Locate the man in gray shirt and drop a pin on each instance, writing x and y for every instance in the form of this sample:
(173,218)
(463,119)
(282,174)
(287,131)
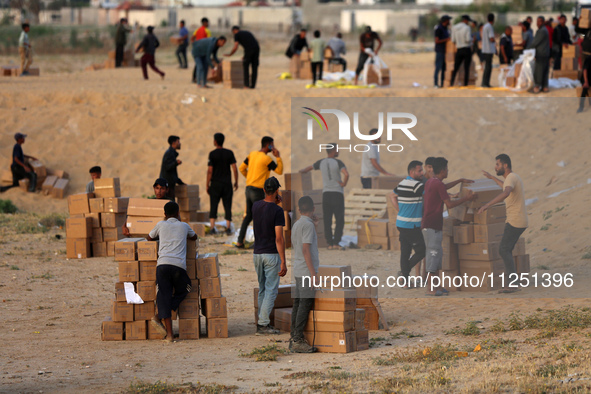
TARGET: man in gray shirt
(171,270)
(338,49)
(489,48)
(95,173)
(541,44)
(370,162)
(305,264)
(333,197)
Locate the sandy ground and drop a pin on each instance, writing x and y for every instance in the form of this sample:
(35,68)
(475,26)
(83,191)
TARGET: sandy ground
(53,306)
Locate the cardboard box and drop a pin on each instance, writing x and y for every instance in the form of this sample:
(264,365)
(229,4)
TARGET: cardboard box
(189,309)
(479,251)
(144,311)
(485,190)
(107,187)
(448,225)
(283,319)
(336,300)
(61,174)
(208,266)
(186,191)
(377,227)
(569,63)
(142,224)
(146,207)
(202,216)
(154,334)
(464,234)
(199,228)
(77,248)
(214,307)
(298,181)
(362,338)
(79,203)
(59,188)
(120,292)
(372,318)
(188,216)
(192,247)
(495,214)
(38,168)
(450,47)
(146,289)
(147,250)
(96,221)
(341,271)
(450,259)
(384,242)
(122,312)
(47,185)
(570,74)
(109,219)
(217,328)
(110,249)
(486,233)
(136,330)
(359,319)
(522,264)
(126,249)
(79,227)
(111,331)
(365,289)
(288,202)
(210,287)
(284,296)
(191,268)
(333,342)
(188,204)
(331,321)
(385,182)
(147,270)
(383,79)
(461,213)
(99,249)
(189,328)
(97,205)
(129,271)
(116,204)
(113,235)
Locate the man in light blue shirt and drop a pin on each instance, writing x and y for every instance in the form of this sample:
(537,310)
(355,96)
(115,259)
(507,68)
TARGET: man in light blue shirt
(338,50)
(181,50)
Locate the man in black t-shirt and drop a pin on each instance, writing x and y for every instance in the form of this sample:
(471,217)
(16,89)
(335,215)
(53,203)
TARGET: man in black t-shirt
(441,39)
(269,252)
(219,182)
(506,47)
(19,168)
(252,52)
(366,41)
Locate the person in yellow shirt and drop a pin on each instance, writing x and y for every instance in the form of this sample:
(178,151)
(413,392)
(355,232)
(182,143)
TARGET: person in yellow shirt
(256,168)
(199,34)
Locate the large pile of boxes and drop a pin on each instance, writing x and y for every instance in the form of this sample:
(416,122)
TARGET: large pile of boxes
(233,74)
(300,66)
(380,231)
(51,182)
(450,55)
(143,214)
(213,303)
(569,64)
(471,240)
(187,196)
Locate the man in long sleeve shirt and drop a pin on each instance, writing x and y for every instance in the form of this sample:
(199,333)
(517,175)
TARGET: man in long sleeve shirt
(204,51)
(149,45)
(256,168)
(462,37)
(561,37)
(541,44)
(120,41)
(168,170)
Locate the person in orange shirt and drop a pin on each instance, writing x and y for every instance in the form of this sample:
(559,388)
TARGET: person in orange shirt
(200,33)
(256,168)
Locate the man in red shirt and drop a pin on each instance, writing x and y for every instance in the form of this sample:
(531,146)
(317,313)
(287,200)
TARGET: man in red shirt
(199,34)
(434,198)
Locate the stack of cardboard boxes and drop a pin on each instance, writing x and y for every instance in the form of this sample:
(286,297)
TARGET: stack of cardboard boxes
(233,74)
(55,184)
(79,227)
(367,299)
(50,182)
(569,64)
(300,66)
(213,303)
(109,215)
(284,300)
(188,312)
(187,196)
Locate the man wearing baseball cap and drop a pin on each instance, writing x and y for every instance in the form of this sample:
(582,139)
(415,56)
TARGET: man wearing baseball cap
(462,36)
(19,168)
(269,252)
(161,193)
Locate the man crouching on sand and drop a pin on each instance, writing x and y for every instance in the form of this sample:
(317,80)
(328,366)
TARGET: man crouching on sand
(171,269)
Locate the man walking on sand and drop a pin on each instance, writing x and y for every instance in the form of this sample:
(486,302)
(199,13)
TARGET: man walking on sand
(269,252)
(333,197)
(370,162)
(171,270)
(219,182)
(516,223)
(305,263)
(149,45)
(252,52)
(168,169)
(434,198)
(181,50)
(256,168)
(95,173)
(25,50)
(441,39)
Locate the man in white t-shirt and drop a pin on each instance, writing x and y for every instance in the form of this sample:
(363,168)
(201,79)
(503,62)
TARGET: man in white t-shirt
(171,270)
(370,162)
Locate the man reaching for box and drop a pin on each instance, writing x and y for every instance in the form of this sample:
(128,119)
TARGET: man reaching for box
(171,269)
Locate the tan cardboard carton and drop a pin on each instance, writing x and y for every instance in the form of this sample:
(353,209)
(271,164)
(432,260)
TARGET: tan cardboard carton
(192,268)
(284,296)
(362,340)
(215,307)
(384,242)
(110,219)
(287,200)
(188,204)
(199,228)
(99,249)
(47,185)
(136,330)
(148,270)
(143,311)
(188,216)
(194,293)
(189,328)
(359,319)
(372,318)
(464,234)
(79,203)
(112,235)
(495,214)
(116,204)
(79,227)
(488,232)
(217,328)
(126,249)
(210,287)
(331,321)
(120,292)
(153,333)
(110,248)
(333,342)
(189,309)
(336,300)
(96,220)
(77,248)
(142,224)
(122,312)
(364,288)
(377,227)
(208,266)
(448,226)
(192,247)
(146,290)
(97,205)
(59,188)
(283,319)
(146,207)
(129,271)
(111,331)
(328,271)
(147,250)
(107,187)
(298,181)
(479,251)
(186,191)
(485,190)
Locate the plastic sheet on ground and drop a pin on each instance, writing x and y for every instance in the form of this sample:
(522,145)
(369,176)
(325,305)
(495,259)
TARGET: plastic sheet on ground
(525,79)
(339,76)
(375,63)
(563,83)
(346,240)
(248,238)
(338,85)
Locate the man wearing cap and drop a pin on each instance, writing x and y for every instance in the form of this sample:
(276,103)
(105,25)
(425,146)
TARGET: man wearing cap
(19,168)
(462,37)
(441,39)
(161,193)
(171,270)
(168,169)
(269,252)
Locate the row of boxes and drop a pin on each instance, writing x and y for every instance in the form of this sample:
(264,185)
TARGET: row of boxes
(233,74)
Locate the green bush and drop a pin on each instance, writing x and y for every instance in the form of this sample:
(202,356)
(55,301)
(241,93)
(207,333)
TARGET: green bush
(6,206)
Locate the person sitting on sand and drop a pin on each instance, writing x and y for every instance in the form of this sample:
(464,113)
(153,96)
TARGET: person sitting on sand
(204,51)
(171,270)
(19,168)
(161,193)
(95,173)
(149,45)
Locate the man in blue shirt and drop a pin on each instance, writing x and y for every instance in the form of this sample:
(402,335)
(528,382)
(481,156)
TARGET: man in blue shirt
(181,50)
(441,39)
(408,198)
(19,168)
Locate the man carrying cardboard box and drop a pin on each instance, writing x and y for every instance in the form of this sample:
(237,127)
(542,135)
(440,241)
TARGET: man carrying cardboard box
(516,214)
(171,270)
(161,193)
(95,173)
(219,182)
(434,198)
(269,252)
(367,41)
(370,162)
(168,169)
(305,264)
(19,168)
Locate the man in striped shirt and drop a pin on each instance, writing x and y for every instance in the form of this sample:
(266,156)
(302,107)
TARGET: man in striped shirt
(408,198)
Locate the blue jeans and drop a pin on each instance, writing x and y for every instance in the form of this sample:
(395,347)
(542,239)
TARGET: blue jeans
(201,65)
(439,67)
(267,267)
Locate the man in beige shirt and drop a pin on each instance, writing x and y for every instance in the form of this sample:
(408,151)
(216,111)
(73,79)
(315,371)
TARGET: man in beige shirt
(516,223)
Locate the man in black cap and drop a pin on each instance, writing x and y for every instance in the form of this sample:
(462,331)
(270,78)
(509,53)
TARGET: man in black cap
(161,193)
(462,37)
(269,252)
(441,39)
(19,168)
(168,170)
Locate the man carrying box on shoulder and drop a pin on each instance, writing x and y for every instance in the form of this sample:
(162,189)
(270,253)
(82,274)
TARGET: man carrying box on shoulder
(171,270)
(517,222)
(305,264)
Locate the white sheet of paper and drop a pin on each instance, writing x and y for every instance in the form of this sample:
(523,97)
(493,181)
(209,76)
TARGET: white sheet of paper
(130,294)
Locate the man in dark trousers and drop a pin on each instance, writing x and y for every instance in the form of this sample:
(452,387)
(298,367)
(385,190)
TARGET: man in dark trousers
(149,45)
(441,39)
(585,78)
(181,50)
(171,270)
(168,169)
(541,44)
(120,41)
(19,168)
(367,42)
(333,197)
(269,252)
(252,52)
(462,37)
(219,182)
(560,38)
(506,47)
